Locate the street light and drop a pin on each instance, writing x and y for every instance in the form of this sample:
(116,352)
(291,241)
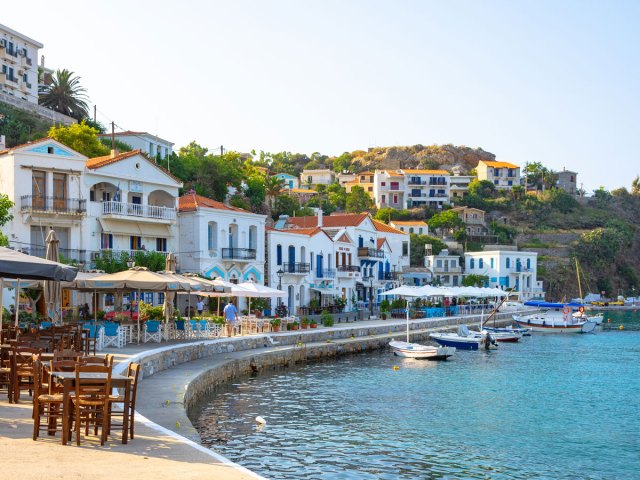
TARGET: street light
(280,274)
(371,296)
(131,262)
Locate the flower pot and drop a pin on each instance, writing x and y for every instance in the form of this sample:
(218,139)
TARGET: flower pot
(304,326)
(313,325)
(275,328)
(294,327)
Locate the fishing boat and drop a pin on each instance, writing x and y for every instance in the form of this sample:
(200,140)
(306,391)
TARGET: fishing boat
(466,340)
(557,318)
(416,350)
(525,332)
(503,334)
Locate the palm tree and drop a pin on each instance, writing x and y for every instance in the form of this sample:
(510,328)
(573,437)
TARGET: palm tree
(273,186)
(65,95)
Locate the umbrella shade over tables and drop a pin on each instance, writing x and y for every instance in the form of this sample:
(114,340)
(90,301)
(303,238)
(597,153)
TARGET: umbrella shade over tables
(255,290)
(52,290)
(170,265)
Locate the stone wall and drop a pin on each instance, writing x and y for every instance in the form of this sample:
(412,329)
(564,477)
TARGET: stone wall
(34,108)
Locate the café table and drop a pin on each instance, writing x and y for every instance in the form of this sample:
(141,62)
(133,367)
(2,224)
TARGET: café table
(68,380)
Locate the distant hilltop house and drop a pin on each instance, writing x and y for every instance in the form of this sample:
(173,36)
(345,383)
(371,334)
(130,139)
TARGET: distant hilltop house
(19,59)
(459,186)
(346,177)
(410,188)
(364,180)
(322,176)
(474,218)
(568,181)
(290,182)
(502,174)
(419,227)
(150,144)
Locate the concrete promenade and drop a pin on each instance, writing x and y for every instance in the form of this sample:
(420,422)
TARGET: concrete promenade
(176,374)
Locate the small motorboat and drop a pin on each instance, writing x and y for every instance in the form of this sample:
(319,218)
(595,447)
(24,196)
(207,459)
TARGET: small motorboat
(416,350)
(465,340)
(525,332)
(502,335)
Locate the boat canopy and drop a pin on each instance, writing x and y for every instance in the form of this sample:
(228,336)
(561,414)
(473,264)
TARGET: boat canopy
(539,304)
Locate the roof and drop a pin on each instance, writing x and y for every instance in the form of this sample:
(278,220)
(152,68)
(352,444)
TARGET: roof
(410,223)
(365,173)
(426,172)
(302,190)
(380,242)
(22,36)
(33,142)
(190,202)
(129,133)
(311,231)
(465,209)
(98,162)
(383,227)
(498,164)
(343,220)
(288,175)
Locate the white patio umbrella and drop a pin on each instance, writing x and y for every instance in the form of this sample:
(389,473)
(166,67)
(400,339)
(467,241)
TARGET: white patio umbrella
(221,288)
(255,290)
(409,292)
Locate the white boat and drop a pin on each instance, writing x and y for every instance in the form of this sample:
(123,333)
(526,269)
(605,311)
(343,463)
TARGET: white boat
(525,332)
(503,334)
(466,340)
(551,322)
(416,350)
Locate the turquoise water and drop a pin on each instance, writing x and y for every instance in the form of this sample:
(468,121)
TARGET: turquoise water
(552,407)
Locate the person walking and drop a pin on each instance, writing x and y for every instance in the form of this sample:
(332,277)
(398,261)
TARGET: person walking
(231,317)
(200,306)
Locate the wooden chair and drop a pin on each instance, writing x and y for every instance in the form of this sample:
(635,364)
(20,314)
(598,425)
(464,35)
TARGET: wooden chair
(91,401)
(22,370)
(66,354)
(106,361)
(5,373)
(128,410)
(45,404)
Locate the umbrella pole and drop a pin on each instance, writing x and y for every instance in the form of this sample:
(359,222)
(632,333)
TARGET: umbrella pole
(138,315)
(217,314)
(17,302)
(95,308)
(407,320)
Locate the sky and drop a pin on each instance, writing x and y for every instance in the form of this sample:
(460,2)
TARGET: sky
(554,82)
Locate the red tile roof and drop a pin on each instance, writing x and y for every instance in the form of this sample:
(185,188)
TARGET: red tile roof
(383,227)
(98,162)
(330,221)
(190,202)
(380,242)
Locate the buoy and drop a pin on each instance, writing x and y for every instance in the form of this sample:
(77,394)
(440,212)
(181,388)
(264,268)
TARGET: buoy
(177,424)
(621,327)
(261,420)
(396,367)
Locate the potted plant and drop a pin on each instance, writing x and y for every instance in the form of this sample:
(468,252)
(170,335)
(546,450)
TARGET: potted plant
(314,305)
(326,318)
(294,325)
(313,324)
(340,303)
(304,323)
(275,324)
(385,306)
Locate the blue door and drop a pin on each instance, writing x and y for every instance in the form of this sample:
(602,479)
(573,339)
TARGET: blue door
(319,266)
(292,258)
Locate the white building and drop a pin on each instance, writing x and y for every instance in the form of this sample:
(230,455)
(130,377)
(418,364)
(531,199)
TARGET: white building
(459,186)
(502,174)
(19,60)
(290,181)
(220,241)
(322,176)
(507,269)
(408,188)
(150,144)
(418,227)
(445,269)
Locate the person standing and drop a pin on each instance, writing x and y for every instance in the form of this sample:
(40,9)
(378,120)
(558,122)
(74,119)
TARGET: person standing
(200,306)
(231,317)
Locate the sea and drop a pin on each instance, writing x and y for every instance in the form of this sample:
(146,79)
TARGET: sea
(548,407)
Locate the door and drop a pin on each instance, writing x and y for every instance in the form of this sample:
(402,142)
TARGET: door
(38,189)
(59,192)
(292,258)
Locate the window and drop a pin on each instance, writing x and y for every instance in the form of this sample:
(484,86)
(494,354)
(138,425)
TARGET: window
(395,199)
(92,195)
(405,249)
(480,263)
(106,241)
(410,229)
(491,262)
(384,198)
(39,185)
(212,235)
(161,244)
(253,237)
(438,263)
(106,196)
(528,263)
(279,255)
(420,230)
(508,263)
(383,184)
(395,186)
(472,264)
(135,243)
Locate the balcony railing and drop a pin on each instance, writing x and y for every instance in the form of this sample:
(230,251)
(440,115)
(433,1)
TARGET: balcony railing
(348,268)
(326,273)
(37,203)
(239,253)
(390,276)
(296,267)
(370,252)
(136,210)
(440,270)
(68,255)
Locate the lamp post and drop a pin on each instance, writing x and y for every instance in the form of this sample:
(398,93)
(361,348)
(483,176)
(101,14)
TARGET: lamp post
(633,294)
(371,297)
(280,274)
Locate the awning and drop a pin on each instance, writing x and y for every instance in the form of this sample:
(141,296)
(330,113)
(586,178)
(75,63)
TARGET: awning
(327,291)
(134,228)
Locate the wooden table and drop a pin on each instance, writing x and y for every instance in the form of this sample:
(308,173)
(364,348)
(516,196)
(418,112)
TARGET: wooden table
(68,380)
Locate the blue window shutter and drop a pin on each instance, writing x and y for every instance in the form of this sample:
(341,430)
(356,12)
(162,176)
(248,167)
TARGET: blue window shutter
(360,242)
(380,271)
(279,255)
(319,265)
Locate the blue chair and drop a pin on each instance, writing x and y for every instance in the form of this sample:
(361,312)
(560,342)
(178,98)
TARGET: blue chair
(45,325)
(113,335)
(181,330)
(152,331)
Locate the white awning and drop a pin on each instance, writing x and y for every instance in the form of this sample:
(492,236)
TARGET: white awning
(327,291)
(154,230)
(119,227)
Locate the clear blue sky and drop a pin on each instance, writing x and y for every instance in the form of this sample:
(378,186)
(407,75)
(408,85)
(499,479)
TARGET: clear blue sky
(549,81)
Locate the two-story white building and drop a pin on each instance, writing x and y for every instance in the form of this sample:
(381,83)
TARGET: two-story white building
(459,186)
(152,145)
(503,175)
(220,241)
(411,188)
(19,65)
(321,176)
(418,227)
(446,269)
(507,269)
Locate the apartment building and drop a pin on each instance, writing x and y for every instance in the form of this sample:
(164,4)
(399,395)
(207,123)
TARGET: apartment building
(418,227)
(152,145)
(410,188)
(323,176)
(459,186)
(19,65)
(502,174)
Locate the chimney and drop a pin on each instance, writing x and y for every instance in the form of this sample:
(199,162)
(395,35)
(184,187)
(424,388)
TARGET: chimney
(319,215)
(2,142)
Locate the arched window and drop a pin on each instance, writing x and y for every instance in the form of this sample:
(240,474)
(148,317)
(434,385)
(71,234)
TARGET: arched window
(472,263)
(278,254)
(508,262)
(480,263)
(212,235)
(528,263)
(253,237)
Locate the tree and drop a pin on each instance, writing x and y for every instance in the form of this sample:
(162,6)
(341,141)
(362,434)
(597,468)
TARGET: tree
(446,221)
(342,163)
(255,191)
(635,186)
(387,214)
(474,280)
(482,188)
(80,137)
(358,200)
(560,200)
(273,187)
(540,176)
(337,196)
(65,95)
(416,254)
(5,216)
(284,205)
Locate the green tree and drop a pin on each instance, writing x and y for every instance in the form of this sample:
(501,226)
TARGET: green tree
(482,188)
(474,280)
(540,177)
(5,216)
(635,186)
(358,200)
(416,253)
(285,205)
(255,191)
(387,214)
(342,163)
(560,200)
(273,187)
(80,137)
(65,95)
(337,196)
(446,221)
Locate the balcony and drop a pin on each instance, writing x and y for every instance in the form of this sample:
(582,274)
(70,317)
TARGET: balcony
(393,276)
(53,205)
(66,254)
(326,273)
(134,210)
(413,182)
(348,268)
(296,268)
(238,253)
(370,253)
(446,270)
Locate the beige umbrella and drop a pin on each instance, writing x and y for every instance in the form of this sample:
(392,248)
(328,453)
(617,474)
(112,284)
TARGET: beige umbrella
(52,290)
(219,286)
(169,297)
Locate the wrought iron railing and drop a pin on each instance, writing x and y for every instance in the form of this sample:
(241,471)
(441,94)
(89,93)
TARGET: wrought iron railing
(38,203)
(239,253)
